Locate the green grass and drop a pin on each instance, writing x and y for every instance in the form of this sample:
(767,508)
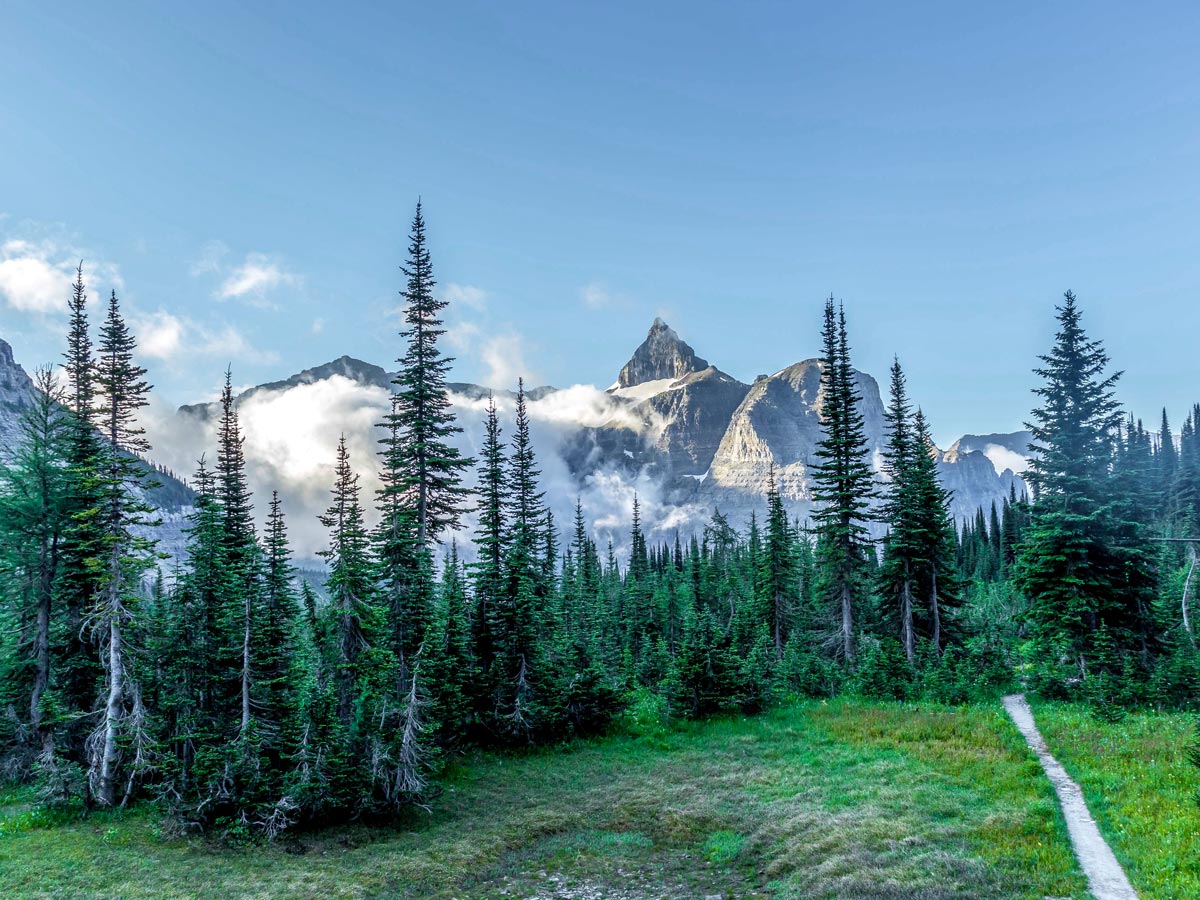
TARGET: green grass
(1140,789)
(839,800)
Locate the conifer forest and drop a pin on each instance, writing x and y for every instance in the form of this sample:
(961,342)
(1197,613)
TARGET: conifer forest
(235,699)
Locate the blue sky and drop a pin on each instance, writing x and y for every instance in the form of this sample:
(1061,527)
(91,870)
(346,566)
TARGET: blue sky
(246,176)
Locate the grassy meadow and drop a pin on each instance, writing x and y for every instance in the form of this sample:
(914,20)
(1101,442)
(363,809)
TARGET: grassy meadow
(1140,789)
(845,799)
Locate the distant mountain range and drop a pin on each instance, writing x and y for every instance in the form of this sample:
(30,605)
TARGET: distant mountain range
(684,436)
(676,427)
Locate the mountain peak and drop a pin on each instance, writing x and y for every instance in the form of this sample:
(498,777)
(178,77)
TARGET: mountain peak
(663,354)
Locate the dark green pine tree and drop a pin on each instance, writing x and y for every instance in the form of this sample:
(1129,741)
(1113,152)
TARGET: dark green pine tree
(35,498)
(1084,566)
(519,676)
(1167,457)
(351,587)
(80,574)
(778,568)
(843,484)
(422,495)
(449,667)
(639,624)
(491,547)
(241,557)
(936,541)
(901,514)
(194,688)
(120,753)
(276,631)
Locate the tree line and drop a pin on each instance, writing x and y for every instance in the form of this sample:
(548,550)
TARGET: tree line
(246,702)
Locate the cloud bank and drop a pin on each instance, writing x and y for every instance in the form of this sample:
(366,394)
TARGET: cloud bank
(291,436)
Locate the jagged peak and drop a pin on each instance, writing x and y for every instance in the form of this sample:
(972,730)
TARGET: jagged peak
(662,355)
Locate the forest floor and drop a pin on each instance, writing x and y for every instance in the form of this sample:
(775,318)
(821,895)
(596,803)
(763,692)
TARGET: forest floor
(845,799)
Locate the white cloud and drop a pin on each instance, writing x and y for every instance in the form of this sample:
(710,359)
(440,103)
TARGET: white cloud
(1002,458)
(462,335)
(291,439)
(503,356)
(159,335)
(29,284)
(36,276)
(255,278)
(595,295)
(465,295)
(176,339)
(291,436)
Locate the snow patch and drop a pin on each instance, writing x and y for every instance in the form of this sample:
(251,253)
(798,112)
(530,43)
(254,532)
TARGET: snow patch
(645,390)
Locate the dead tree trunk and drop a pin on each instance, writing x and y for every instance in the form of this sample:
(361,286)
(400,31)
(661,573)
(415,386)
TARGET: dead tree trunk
(106,790)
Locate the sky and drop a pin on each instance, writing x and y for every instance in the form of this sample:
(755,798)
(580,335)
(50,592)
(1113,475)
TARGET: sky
(244,176)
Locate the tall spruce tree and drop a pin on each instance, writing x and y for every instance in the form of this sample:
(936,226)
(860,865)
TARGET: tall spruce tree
(518,664)
(935,536)
(119,743)
(35,495)
(1083,565)
(778,565)
(241,556)
(422,494)
(80,574)
(491,540)
(351,585)
(843,483)
(901,514)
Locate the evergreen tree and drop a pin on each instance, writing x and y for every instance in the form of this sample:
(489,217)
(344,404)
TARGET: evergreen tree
(422,495)
(241,556)
(843,484)
(901,513)
(35,496)
(276,632)
(778,566)
(1084,565)
(124,556)
(350,585)
(518,664)
(491,541)
(80,574)
(935,536)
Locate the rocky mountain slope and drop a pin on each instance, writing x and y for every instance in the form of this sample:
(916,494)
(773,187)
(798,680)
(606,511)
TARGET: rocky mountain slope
(15,390)
(713,441)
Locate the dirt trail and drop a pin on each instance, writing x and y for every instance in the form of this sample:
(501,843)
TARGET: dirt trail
(1106,878)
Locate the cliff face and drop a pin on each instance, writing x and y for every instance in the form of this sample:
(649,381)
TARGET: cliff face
(694,415)
(15,390)
(779,424)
